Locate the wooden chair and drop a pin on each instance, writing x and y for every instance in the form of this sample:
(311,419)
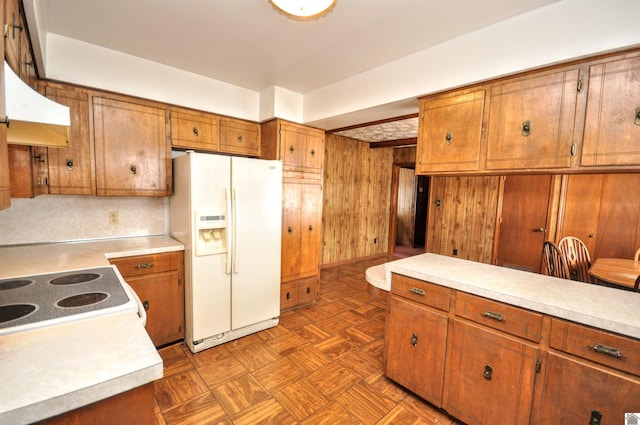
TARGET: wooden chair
(577,257)
(555,261)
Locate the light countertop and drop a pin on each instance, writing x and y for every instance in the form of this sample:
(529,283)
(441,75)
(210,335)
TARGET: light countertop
(55,369)
(606,308)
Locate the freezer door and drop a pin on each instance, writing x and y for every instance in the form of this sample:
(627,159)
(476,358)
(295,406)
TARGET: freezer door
(209,289)
(257,203)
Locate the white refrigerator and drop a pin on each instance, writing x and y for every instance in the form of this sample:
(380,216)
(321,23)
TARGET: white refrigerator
(227,211)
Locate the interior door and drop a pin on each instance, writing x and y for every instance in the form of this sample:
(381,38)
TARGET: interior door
(523,227)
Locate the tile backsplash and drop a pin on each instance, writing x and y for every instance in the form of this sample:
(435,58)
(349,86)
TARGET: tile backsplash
(56,218)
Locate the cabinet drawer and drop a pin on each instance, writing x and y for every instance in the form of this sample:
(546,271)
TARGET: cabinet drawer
(616,351)
(146,264)
(308,290)
(194,131)
(512,320)
(423,292)
(288,295)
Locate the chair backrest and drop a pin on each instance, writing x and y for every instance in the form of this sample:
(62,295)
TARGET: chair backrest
(555,262)
(577,257)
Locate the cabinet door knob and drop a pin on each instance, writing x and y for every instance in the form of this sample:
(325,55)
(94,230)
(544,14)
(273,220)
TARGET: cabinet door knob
(414,339)
(134,169)
(449,138)
(239,137)
(488,372)
(637,120)
(145,304)
(539,230)
(289,229)
(526,128)
(195,130)
(288,295)
(313,152)
(291,149)
(596,417)
(310,227)
(69,162)
(6,121)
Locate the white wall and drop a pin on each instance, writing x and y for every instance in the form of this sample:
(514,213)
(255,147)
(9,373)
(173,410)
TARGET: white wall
(56,218)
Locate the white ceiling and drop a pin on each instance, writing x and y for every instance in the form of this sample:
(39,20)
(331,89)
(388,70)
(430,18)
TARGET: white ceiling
(247,43)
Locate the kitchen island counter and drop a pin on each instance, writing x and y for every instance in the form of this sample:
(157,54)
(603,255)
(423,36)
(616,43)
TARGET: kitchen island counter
(592,305)
(55,369)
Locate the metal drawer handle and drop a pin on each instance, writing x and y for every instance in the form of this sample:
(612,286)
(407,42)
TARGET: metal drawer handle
(609,351)
(144,266)
(417,291)
(493,315)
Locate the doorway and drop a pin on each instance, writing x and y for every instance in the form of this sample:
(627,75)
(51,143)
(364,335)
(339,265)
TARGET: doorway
(410,197)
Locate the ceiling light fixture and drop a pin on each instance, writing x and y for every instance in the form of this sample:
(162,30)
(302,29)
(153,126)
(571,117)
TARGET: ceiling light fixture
(303,10)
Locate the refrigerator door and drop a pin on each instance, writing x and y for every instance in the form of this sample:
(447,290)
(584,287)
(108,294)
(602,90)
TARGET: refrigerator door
(209,292)
(257,199)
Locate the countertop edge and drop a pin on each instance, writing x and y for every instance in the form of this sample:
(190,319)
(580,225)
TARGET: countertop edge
(592,305)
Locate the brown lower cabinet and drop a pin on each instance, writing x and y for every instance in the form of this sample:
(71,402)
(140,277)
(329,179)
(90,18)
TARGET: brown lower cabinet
(131,407)
(158,280)
(487,362)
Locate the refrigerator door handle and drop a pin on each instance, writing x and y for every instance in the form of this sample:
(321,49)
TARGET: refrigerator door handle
(227,197)
(234,227)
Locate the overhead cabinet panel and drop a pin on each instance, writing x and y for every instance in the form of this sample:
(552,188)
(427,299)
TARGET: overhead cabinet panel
(451,130)
(612,124)
(531,122)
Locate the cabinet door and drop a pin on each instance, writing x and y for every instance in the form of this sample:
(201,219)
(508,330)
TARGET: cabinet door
(450,132)
(531,122)
(28,171)
(291,231)
(415,343)
(301,148)
(192,130)
(133,156)
(573,390)
(612,123)
(241,137)
(489,377)
(162,294)
(14,29)
(310,222)
(27,64)
(70,168)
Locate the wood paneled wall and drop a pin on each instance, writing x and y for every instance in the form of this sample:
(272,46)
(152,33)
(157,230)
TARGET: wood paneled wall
(465,218)
(405,214)
(356,206)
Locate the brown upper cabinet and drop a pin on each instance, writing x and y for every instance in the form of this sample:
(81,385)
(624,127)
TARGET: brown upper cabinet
(14,29)
(194,130)
(612,124)
(239,137)
(450,129)
(133,153)
(578,117)
(301,148)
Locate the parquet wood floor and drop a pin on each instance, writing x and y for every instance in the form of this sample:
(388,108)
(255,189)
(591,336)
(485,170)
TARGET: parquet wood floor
(321,365)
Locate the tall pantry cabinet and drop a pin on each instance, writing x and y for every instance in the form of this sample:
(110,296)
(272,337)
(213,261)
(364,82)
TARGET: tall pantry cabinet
(301,150)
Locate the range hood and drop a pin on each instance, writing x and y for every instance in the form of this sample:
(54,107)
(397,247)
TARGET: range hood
(33,119)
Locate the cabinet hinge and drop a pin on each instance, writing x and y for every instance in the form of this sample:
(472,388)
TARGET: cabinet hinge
(420,160)
(580,83)
(422,115)
(538,366)
(573,149)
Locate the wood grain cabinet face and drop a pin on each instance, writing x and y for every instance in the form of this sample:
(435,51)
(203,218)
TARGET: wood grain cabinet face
(14,30)
(28,171)
(193,130)
(301,148)
(575,383)
(489,376)
(158,282)
(133,155)
(450,132)
(70,168)
(531,122)
(240,137)
(612,122)
(415,344)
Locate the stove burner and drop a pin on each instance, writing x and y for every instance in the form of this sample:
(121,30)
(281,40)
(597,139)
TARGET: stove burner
(72,279)
(15,284)
(81,300)
(15,311)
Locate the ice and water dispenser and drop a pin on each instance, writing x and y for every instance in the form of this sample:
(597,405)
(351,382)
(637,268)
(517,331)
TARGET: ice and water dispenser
(211,232)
